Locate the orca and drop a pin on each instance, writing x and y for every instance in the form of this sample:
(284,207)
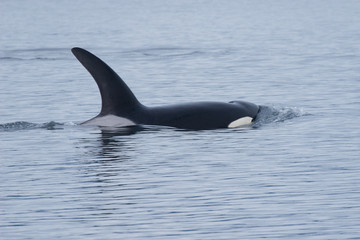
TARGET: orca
(120,107)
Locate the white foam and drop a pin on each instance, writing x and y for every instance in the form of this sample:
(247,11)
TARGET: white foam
(241,122)
(109,121)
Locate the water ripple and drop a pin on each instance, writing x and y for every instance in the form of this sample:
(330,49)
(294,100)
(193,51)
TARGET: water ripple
(21,125)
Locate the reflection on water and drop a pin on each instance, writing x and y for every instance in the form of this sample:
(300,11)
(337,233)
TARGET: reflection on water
(112,144)
(109,132)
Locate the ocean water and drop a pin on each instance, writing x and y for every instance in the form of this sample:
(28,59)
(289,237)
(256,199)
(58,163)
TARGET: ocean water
(294,174)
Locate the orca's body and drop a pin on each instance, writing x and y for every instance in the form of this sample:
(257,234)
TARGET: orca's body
(120,107)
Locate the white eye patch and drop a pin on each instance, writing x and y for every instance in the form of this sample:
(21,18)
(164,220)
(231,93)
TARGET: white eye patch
(244,121)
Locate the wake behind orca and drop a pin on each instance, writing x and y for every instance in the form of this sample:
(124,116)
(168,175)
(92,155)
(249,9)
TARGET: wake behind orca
(120,107)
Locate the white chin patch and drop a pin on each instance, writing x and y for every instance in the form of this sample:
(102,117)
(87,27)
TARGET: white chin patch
(241,122)
(109,121)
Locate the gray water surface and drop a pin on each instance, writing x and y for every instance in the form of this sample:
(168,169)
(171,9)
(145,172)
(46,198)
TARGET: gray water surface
(294,174)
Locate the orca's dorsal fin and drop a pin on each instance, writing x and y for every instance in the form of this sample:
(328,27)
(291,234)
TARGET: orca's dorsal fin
(116,96)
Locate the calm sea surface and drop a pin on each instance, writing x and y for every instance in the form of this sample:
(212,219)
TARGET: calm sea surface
(295,174)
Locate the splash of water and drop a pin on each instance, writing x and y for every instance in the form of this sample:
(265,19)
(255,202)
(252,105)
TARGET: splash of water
(273,114)
(21,125)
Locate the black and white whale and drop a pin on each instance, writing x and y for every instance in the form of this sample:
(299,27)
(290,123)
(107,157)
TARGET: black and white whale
(121,108)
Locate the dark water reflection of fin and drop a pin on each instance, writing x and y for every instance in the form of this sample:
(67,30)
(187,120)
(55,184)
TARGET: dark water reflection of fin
(109,132)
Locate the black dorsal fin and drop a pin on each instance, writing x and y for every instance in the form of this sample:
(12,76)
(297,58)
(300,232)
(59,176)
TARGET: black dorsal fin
(116,96)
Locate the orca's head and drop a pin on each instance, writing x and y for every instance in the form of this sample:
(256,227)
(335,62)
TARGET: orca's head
(250,108)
